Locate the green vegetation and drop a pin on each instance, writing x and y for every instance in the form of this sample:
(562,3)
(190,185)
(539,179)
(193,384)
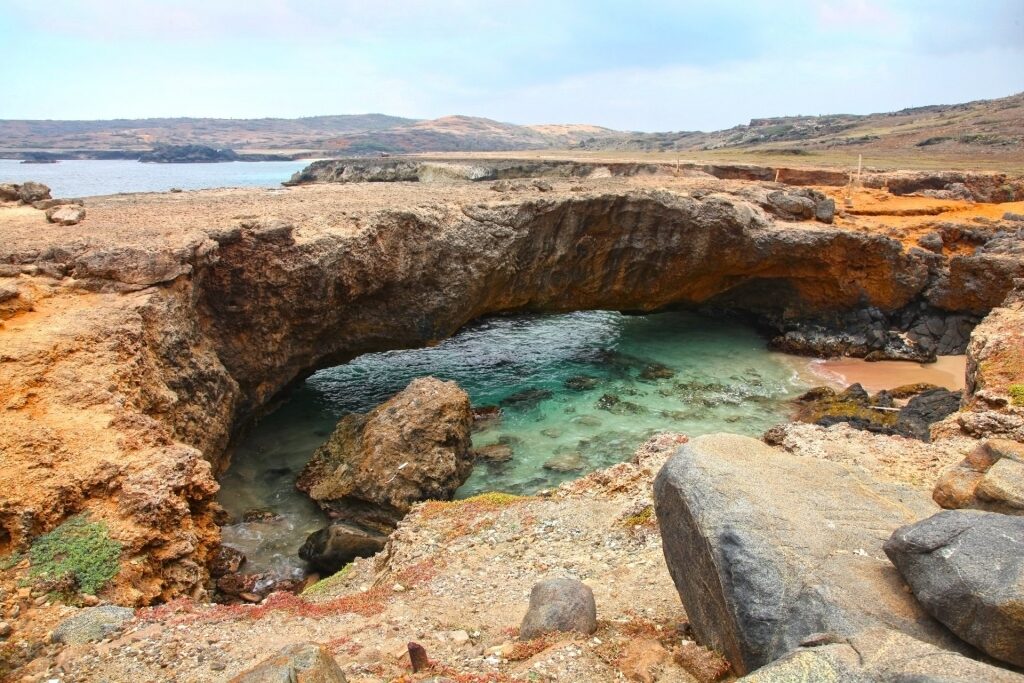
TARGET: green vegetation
(326,586)
(78,551)
(9,561)
(1017,394)
(643,518)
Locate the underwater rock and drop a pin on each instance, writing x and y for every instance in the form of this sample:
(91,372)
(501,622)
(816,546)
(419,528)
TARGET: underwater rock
(495,452)
(569,461)
(527,398)
(581,383)
(616,406)
(656,371)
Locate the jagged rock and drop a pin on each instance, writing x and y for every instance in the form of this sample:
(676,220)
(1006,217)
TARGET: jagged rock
(925,409)
(878,656)
(92,624)
(767,548)
(302,663)
(561,604)
(966,567)
(334,546)
(228,560)
(66,214)
(991,477)
(32,191)
(413,447)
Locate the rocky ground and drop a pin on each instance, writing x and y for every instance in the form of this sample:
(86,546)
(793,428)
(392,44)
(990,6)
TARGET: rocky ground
(135,343)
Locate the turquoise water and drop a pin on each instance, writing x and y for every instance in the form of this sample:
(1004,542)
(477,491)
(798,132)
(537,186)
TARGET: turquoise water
(91,178)
(578,391)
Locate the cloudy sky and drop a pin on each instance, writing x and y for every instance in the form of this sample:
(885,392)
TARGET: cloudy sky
(630,64)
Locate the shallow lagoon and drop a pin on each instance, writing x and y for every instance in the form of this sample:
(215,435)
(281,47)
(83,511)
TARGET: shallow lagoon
(582,389)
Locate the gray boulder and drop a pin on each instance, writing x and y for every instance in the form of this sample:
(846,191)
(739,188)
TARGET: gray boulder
(767,549)
(334,546)
(559,605)
(967,568)
(879,656)
(9,192)
(302,663)
(33,192)
(92,624)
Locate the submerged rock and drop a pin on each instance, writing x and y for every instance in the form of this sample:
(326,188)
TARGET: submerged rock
(581,383)
(767,549)
(559,605)
(412,447)
(966,567)
(527,398)
(570,461)
(334,546)
(495,452)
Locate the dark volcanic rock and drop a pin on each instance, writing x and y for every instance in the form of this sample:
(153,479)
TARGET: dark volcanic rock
(187,154)
(767,549)
(527,398)
(559,605)
(413,447)
(925,409)
(334,546)
(967,568)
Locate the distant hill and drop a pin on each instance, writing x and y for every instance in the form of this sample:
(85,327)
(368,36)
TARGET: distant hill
(139,134)
(465,134)
(986,127)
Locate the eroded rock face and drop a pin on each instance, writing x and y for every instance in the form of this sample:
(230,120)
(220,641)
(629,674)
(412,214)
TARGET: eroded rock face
(767,549)
(991,477)
(966,567)
(413,447)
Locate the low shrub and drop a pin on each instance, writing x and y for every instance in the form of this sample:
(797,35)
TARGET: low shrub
(79,552)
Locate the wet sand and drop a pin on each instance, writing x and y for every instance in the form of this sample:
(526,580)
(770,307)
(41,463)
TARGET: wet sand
(947,371)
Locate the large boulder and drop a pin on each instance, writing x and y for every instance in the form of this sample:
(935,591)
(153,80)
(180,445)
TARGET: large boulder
(877,656)
(925,409)
(967,568)
(302,663)
(767,549)
(334,546)
(561,604)
(66,214)
(413,447)
(92,624)
(32,191)
(991,477)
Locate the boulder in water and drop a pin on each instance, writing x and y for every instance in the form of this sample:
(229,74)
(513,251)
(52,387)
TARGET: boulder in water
(334,546)
(413,447)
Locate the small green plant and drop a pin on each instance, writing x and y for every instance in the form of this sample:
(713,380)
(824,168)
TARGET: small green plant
(9,561)
(78,551)
(1017,394)
(326,585)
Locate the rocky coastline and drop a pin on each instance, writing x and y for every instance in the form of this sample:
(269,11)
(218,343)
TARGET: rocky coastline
(138,341)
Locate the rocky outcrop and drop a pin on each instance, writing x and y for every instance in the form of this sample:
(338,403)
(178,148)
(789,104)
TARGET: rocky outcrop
(991,477)
(983,187)
(28,192)
(302,663)
(967,569)
(879,413)
(768,549)
(413,447)
(187,154)
(145,342)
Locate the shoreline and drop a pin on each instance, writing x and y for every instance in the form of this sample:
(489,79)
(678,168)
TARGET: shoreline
(948,372)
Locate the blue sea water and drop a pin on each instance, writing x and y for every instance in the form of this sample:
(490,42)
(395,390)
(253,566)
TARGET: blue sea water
(90,178)
(643,374)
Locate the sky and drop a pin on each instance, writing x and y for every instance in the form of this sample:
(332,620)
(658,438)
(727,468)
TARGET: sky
(652,65)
